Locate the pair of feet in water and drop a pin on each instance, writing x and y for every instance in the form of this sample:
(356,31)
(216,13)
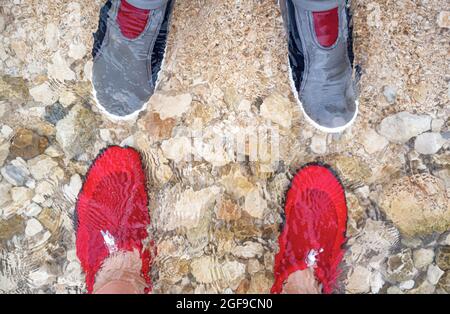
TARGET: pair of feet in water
(112,217)
(130,44)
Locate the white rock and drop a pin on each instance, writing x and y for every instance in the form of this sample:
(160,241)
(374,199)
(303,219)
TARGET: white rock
(191,207)
(87,70)
(373,142)
(428,143)
(54,151)
(407,285)
(277,109)
(41,166)
(2,23)
(319,143)
(51,36)
(20,195)
(376,282)
(4,152)
(394,290)
(17,173)
(33,210)
(170,106)
(400,127)
(59,69)
(445,240)
(255,204)
(248,250)
(233,273)
(177,149)
(203,269)
(33,227)
(75,131)
(443,19)
(72,255)
(437,124)
(105,135)
(423,257)
(359,280)
(5,195)
(244,105)
(6,131)
(66,98)
(40,277)
(390,93)
(434,273)
(77,51)
(43,94)
(72,189)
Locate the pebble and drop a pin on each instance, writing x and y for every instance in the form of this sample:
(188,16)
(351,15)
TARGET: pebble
(407,285)
(27,144)
(20,194)
(16,173)
(437,124)
(51,36)
(434,273)
(390,93)
(77,50)
(33,227)
(54,113)
(255,204)
(319,143)
(248,250)
(429,143)
(43,94)
(400,127)
(4,152)
(170,106)
(394,290)
(72,189)
(376,282)
(41,166)
(32,210)
(59,69)
(177,149)
(76,131)
(359,280)
(6,131)
(277,108)
(443,19)
(400,267)
(40,277)
(5,195)
(443,257)
(423,257)
(373,142)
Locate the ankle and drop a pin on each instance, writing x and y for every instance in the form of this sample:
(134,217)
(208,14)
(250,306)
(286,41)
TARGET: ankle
(120,273)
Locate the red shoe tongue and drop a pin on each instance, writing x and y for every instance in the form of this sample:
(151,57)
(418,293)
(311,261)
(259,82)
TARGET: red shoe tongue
(326,26)
(131,20)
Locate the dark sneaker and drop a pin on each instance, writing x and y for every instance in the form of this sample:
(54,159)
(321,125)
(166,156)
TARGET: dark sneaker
(320,58)
(112,212)
(314,229)
(128,51)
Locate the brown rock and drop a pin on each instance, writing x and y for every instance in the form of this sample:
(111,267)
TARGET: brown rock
(9,228)
(27,144)
(417,205)
(443,257)
(260,284)
(228,210)
(444,282)
(50,219)
(156,128)
(243,286)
